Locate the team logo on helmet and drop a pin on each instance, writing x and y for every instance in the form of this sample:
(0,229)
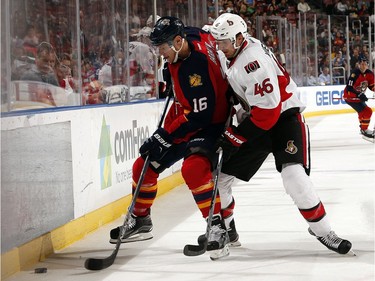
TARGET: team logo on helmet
(230,23)
(291,148)
(195,80)
(252,66)
(165,22)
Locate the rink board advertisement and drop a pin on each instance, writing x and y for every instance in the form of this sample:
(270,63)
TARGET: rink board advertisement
(324,98)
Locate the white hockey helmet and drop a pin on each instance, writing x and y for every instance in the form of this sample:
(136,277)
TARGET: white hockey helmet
(227,26)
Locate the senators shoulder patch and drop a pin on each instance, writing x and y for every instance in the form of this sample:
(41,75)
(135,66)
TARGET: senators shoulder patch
(195,80)
(252,66)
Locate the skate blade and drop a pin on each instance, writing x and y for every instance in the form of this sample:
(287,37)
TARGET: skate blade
(134,238)
(372,140)
(352,253)
(234,244)
(219,254)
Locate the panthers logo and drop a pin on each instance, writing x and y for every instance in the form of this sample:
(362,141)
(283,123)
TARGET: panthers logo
(195,80)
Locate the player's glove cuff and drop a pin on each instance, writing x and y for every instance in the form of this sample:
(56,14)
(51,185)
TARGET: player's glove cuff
(362,96)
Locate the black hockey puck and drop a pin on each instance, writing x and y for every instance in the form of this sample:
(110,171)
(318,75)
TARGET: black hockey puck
(40,270)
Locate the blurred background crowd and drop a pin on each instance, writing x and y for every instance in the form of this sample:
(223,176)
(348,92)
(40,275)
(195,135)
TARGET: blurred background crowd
(98,50)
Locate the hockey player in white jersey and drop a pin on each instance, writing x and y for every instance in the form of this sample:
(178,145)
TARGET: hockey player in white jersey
(273,124)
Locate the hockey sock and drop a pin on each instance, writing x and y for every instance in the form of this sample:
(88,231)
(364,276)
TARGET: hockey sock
(196,171)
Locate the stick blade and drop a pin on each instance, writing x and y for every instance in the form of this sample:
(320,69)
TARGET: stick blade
(98,264)
(195,250)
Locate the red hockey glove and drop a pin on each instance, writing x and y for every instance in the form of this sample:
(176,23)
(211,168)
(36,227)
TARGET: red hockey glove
(157,145)
(230,141)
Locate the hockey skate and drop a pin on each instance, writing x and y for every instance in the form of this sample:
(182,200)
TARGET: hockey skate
(218,239)
(233,236)
(135,229)
(368,135)
(333,242)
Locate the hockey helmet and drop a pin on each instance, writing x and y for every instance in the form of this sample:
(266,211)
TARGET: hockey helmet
(166,29)
(227,26)
(362,58)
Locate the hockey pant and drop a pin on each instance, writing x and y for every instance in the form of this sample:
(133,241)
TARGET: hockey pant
(364,113)
(196,171)
(299,187)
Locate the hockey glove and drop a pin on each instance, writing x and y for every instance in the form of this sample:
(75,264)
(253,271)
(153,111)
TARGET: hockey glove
(362,96)
(230,141)
(157,145)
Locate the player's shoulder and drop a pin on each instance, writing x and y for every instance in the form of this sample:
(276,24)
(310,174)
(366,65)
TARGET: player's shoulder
(355,73)
(369,71)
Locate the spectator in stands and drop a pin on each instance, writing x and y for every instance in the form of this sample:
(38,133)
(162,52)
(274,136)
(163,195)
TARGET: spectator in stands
(339,67)
(341,7)
(324,78)
(357,41)
(20,62)
(44,68)
(354,57)
(31,40)
(282,7)
(323,39)
(303,7)
(91,87)
(339,40)
(64,72)
(324,61)
(312,80)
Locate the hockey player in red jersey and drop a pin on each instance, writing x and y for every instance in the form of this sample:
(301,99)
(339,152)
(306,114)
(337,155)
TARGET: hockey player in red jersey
(194,122)
(272,123)
(360,79)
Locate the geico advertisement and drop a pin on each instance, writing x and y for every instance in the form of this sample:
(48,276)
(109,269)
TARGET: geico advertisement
(323,97)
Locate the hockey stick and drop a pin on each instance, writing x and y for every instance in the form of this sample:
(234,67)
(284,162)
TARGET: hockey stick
(370,98)
(102,263)
(196,250)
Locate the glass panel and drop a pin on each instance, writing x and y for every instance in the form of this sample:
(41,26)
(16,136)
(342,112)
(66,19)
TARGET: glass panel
(42,40)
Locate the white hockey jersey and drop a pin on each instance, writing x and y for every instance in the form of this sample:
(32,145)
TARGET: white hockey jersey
(261,83)
(141,61)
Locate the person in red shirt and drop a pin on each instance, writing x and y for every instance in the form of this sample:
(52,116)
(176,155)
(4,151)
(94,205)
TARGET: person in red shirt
(191,128)
(360,79)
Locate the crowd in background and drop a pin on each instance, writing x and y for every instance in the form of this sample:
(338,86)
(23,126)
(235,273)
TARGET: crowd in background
(102,35)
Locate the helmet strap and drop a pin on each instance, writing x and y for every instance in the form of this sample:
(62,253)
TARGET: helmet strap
(174,49)
(237,48)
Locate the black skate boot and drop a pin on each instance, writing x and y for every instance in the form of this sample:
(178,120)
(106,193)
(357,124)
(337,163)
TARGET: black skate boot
(368,135)
(233,236)
(218,239)
(135,229)
(333,242)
